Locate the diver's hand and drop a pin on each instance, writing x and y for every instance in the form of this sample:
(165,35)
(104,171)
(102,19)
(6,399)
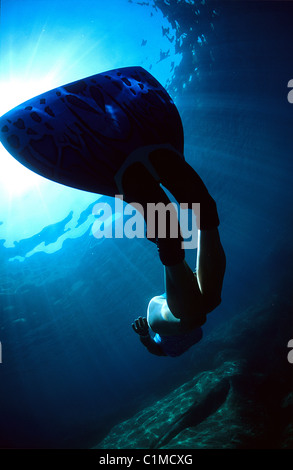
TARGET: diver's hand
(141,326)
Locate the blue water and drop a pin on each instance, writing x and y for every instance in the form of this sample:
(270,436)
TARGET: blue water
(71,365)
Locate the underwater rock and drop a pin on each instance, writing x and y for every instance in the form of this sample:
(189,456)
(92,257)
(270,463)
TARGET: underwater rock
(241,398)
(172,420)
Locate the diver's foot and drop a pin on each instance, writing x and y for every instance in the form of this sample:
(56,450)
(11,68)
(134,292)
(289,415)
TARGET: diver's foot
(140,187)
(185,185)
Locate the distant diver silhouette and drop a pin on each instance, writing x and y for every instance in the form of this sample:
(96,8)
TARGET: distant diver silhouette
(120,132)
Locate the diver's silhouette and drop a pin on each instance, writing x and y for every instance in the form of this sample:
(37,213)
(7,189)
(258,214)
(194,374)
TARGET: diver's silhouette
(177,316)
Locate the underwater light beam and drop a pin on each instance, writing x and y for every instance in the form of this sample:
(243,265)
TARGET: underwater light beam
(15,178)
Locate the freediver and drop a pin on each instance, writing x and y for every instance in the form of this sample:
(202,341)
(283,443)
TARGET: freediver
(176,317)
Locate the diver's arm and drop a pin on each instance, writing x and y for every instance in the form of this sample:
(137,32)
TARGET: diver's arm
(151,345)
(141,327)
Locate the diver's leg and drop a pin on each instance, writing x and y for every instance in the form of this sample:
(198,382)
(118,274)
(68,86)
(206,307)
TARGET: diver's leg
(183,295)
(185,185)
(190,297)
(211,265)
(139,186)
